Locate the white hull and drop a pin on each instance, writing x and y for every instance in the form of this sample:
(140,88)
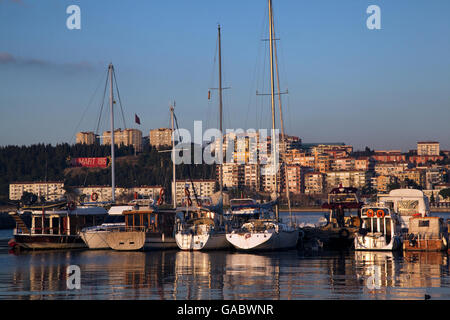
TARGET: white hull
(267,240)
(369,243)
(95,239)
(205,241)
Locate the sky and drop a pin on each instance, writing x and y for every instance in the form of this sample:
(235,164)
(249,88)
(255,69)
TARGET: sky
(385,89)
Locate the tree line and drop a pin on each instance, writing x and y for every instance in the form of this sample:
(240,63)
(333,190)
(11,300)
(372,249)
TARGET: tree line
(46,162)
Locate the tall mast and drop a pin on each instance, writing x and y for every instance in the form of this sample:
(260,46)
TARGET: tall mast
(111,101)
(220,111)
(174,184)
(283,140)
(272,93)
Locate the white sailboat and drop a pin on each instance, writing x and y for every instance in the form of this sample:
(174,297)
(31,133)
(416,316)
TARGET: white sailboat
(266,233)
(95,237)
(202,227)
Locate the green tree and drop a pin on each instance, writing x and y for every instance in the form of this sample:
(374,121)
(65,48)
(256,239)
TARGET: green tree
(445,193)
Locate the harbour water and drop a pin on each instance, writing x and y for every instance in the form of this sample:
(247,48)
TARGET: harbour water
(175,274)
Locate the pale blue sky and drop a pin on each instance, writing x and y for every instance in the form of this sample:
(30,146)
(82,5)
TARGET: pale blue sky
(387,88)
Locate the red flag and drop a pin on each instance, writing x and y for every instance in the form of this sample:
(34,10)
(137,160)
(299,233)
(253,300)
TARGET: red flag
(136,119)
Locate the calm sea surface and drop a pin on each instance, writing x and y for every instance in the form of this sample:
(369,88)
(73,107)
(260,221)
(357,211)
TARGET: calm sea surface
(224,275)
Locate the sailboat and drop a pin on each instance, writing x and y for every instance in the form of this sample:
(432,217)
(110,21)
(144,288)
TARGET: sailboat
(266,232)
(95,237)
(202,227)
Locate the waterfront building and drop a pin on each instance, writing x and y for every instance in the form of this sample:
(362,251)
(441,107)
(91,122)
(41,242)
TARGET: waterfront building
(122,194)
(127,137)
(355,179)
(50,190)
(203,188)
(161,137)
(428,148)
(86,138)
(314,183)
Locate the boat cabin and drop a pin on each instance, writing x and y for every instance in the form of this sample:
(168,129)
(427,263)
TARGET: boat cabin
(344,206)
(406,203)
(150,221)
(58,222)
(426,234)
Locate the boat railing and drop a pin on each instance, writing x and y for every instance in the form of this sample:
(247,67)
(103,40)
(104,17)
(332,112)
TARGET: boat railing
(127,229)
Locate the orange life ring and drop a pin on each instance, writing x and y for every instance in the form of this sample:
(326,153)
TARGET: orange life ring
(417,215)
(380,213)
(370,213)
(71,205)
(94,196)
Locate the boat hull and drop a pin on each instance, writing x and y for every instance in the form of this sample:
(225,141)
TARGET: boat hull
(425,245)
(367,243)
(95,240)
(262,241)
(48,242)
(126,241)
(206,241)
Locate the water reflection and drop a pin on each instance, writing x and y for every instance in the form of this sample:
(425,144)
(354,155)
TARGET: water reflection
(225,275)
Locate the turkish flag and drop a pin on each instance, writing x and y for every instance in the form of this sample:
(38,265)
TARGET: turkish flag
(136,119)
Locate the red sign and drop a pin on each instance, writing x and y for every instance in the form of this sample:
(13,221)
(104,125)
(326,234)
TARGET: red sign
(89,162)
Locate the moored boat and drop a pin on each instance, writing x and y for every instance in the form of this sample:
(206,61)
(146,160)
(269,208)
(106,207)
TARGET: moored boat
(57,228)
(95,236)
(146,228)
(380,230)
(254,227)
(426,234)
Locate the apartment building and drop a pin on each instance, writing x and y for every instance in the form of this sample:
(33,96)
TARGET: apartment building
(343,164)
(428,148)
(294,178)
(389,156)
(252,176)
(356,179)
(390,168)
(203,188)
(314,183)
(50,190)
(86,138)
(127,137)
(381,183)
(364,164)
(161,137)
(233,175)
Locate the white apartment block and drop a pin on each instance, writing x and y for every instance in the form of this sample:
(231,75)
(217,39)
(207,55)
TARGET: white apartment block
(160,137)
(428,148)
(203,188)
(314,183)
(127,137)
(50,190)
(356,179)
